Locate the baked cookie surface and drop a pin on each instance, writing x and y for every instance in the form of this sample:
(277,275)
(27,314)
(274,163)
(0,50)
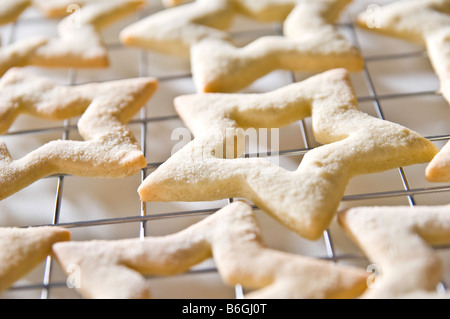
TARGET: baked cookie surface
(197,31)
(22,249)
(109,149)
(117,269)
(212,167)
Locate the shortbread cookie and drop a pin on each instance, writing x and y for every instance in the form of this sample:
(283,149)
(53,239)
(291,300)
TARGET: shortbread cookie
(10,10)
(439,169)
(439,51)
(23,249)
(397,240)
(304,200)
(426,22)
(79,44)
(109,149)
(279,10)
(310,42)
(17,54)
(116,269)
(438,45)
(61,8)
(173,31)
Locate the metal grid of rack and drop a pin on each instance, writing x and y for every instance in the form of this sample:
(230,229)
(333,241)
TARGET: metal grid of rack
(404,186)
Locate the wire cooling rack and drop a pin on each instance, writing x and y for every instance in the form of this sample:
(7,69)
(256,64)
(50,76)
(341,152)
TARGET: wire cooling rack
(398,84)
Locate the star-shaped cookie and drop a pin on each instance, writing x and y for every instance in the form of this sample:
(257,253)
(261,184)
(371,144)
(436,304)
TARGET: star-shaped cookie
(60,8)
(117,268)
(210,167)
(426,22)
(439,168)
(173,31)
(109,148)
(79,44)
(310,42)
(398,241)
(197,30)
(22,249)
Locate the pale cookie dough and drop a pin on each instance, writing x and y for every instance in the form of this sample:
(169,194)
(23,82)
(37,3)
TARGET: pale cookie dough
(398,241)
(79,44)
(305,200)
(117,268)
(426,22)
(109,148)
(23,249)
(197,31)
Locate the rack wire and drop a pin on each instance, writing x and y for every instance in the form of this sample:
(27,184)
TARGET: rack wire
(333,246)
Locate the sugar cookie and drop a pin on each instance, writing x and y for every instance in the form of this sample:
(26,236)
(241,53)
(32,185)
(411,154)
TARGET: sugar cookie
(397,240)
(61,8)
(173,3)
(79,44)
(109,149)
(22,249)
(116,268)
(197,31)
(310,43)
(305,200)
(439,168)
(426,22)
(173,31)
(10,10)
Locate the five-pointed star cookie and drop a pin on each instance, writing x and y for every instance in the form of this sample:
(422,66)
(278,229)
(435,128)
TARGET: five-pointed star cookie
(398,241)
(109,148)
(22,249)
(309,43)
(79,44)
(305,200)
(116,269)
(196,30)
(426,22)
